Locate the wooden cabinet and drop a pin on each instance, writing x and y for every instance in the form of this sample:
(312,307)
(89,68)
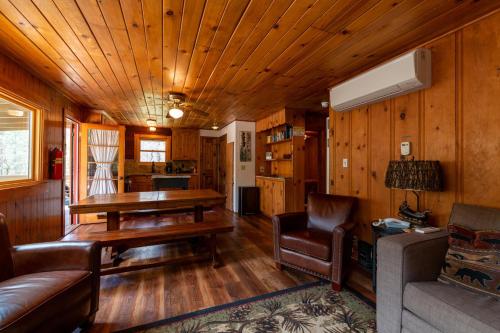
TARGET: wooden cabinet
(276,119)
(185,144)
(287,162)
(140,183)
(194,182)
(273,195)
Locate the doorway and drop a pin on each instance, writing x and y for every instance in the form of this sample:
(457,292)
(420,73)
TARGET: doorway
(208,163)
(221,164)
(70,181)
(229,175)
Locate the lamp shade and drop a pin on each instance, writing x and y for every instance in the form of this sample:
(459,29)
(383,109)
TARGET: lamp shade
(414,175)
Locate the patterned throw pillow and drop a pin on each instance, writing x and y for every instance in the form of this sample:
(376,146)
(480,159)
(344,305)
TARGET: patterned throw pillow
(473,260)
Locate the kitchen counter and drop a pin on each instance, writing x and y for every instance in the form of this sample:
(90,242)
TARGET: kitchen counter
(161,174)
(140,182)
(179,175)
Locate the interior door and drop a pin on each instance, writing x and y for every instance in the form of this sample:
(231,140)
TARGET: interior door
(208,162)
(229,175)
(221,164)
(102,161)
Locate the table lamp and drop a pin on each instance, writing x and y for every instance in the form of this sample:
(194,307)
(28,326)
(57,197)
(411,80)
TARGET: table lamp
(415,176)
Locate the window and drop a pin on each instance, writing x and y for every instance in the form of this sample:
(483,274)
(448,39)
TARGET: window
(152,148)
(19,143)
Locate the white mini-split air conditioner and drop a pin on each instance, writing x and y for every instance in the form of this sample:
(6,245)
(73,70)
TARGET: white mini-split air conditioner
(408,73)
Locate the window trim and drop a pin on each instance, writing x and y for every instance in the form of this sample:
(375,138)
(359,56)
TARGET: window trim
(36,142)
(137,147)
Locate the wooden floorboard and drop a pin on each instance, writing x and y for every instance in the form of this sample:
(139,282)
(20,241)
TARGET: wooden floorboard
(247,270)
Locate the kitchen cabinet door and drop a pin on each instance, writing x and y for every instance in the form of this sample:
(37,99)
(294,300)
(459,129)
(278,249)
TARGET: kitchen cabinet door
(278,197)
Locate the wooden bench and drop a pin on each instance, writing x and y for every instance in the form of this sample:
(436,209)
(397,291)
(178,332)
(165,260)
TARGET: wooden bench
(130,238)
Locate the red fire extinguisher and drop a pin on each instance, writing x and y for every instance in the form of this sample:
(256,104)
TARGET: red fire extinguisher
(56,164)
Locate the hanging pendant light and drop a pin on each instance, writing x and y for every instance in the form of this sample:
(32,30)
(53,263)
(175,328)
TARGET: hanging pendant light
(151,122)
(152,128)
(215,127)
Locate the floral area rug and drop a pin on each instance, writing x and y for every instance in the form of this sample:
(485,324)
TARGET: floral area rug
(311,308)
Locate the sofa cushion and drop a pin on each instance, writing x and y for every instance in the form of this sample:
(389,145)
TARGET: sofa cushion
(472,260)
(450,308)
(414,324)
(23,296)
(311,242)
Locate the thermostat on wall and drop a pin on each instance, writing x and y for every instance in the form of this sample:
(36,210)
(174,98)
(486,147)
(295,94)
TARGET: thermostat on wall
(405,148)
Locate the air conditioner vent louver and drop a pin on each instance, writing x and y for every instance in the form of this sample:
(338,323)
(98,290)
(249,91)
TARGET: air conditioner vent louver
(408,73)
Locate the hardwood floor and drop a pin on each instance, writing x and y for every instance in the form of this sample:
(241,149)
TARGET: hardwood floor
(135,298)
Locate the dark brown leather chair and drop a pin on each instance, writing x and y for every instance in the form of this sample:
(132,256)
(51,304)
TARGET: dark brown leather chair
(318,241)
(47,287)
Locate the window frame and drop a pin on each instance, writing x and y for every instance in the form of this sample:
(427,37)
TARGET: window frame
(36,132)
(156,137)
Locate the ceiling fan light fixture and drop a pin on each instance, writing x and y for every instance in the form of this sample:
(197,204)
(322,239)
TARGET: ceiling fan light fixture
(151,122)
(175,113)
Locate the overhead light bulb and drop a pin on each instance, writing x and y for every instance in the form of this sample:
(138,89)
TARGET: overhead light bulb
(151,122)
(15,113)
(175,113)
(215,127)
(152,129)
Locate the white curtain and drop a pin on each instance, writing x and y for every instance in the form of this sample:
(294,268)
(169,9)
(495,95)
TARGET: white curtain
(104,147)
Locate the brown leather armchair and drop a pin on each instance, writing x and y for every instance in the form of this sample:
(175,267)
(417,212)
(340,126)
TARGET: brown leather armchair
(318,241)
(47,287)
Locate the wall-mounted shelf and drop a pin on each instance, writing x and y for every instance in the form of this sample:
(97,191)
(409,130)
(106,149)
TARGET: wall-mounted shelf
(279,159)
(281,141)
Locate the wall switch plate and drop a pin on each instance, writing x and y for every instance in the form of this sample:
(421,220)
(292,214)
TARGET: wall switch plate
(405,148)
(345,163)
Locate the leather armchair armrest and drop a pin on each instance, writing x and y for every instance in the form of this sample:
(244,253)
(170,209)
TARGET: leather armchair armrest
(54,256)
(284,223)
(401,259)
(289,221)
(341,249)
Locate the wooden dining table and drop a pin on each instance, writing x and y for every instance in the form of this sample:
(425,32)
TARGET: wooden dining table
(113,204)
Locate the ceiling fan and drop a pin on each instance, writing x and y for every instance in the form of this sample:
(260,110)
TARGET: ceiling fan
(176,102)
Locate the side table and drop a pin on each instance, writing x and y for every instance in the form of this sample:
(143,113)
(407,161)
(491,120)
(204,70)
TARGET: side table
(378,232)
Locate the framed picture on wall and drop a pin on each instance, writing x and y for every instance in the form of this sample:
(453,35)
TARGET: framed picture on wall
(245,146)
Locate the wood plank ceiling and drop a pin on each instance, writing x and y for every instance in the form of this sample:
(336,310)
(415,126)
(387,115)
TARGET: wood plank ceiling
(235,59)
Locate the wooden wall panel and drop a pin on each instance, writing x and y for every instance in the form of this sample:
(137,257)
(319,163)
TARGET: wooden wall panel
(380,126)
(34,213)
(342,123)
(439,121)
(359,165)
(480,86)
(456,121)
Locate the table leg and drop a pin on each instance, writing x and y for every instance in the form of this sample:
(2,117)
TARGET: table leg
(113,223)
(198,213)
(113,220)
(213,250)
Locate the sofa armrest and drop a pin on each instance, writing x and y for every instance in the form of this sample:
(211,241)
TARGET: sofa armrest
(56,256)
(401,259)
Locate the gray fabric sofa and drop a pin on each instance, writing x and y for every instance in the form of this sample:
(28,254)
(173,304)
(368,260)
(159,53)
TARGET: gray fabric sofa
(409,297)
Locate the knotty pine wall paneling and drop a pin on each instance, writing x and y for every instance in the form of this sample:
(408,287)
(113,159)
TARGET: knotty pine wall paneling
(34,213)
(456,121)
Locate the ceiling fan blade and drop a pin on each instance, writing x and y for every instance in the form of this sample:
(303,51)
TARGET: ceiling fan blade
(199,112)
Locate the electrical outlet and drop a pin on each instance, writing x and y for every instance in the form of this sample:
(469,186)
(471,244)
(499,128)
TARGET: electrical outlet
(405,148)
(345,163)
